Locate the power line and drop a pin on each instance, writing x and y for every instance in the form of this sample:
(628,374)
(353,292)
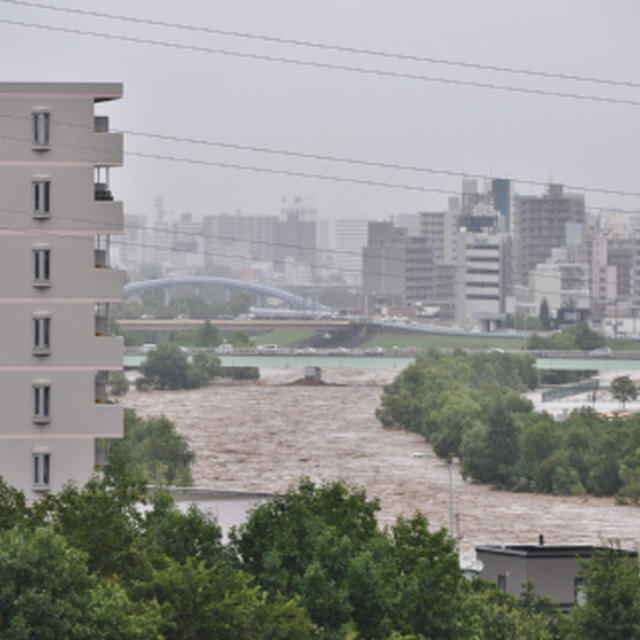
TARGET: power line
(331,158)
(366,163)
(329,46)
(326,65)
(309,175)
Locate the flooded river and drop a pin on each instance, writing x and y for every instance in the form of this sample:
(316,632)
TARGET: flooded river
(264,436)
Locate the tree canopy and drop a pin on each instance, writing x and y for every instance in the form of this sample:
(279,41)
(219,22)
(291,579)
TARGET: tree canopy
(623,389)
(577,337)
(112,561)
(168,367)
(470,407)
(154,449)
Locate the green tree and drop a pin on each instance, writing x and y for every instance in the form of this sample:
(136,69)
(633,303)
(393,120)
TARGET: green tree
(611,610)
(181,536)
(103,519)
(118,383)
(584,337)
(502,441)
(212,603)
(153,449)
(239,339)
(495,615)
(47,593)
(208,335)
(203,368)
(623,389)
(323,544)
(166,367)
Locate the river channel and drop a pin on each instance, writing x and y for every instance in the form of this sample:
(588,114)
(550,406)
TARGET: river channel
(264,436)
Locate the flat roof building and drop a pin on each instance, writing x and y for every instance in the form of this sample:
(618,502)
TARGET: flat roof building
(57,214)
(553,570)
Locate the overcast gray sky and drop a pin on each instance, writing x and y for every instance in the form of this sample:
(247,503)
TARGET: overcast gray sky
(300,108)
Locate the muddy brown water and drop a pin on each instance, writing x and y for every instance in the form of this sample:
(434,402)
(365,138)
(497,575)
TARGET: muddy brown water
(264,436)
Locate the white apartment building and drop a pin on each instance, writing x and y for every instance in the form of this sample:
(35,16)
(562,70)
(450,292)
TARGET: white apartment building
(480,281)
(56,217)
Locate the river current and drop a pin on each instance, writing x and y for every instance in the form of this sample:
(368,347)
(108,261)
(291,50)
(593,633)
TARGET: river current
(265,436)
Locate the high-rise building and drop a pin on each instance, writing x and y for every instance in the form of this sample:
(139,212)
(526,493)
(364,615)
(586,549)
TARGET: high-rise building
(502,198)
(236,241)
(397,268)
(482,261)
(440,229)
(297,231)
(540,225)
(57,214)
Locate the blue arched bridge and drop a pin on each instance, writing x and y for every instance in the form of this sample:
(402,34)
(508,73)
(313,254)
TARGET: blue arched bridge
(261,291)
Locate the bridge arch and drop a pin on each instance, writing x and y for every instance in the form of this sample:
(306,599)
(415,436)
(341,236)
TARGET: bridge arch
(261,290)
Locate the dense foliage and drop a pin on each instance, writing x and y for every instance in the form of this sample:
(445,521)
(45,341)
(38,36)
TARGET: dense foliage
(623,389)
(470,407)
(578,336)
(118,383)
(197,307)
(154,449)
(111,561)
(90,563)
(168,367)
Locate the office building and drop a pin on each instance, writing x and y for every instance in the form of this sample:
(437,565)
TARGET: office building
(482,261)
(397,268)
(540,225)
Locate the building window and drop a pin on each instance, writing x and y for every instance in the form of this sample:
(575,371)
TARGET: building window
(41,128)
(502,582)
(41,403)
(41,469)
(42,198)
(42,266)
(41,336)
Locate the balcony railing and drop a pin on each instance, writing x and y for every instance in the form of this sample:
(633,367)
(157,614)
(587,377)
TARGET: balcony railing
(102,192)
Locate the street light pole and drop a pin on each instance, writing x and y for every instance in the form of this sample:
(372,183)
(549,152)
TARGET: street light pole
(452,516)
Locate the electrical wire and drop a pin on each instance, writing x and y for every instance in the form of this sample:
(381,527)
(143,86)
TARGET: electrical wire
(325,65)
(466,64)
(316,176)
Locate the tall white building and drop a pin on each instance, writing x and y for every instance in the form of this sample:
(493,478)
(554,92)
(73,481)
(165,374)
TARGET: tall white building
(56,217)
(480,278)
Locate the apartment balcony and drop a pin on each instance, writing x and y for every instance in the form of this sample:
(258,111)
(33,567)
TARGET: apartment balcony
(100,259)
(107,148)
(101,396)
(110,213)
(101,192)
(101,325)
(108,420)
(105,351)
(106,283)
